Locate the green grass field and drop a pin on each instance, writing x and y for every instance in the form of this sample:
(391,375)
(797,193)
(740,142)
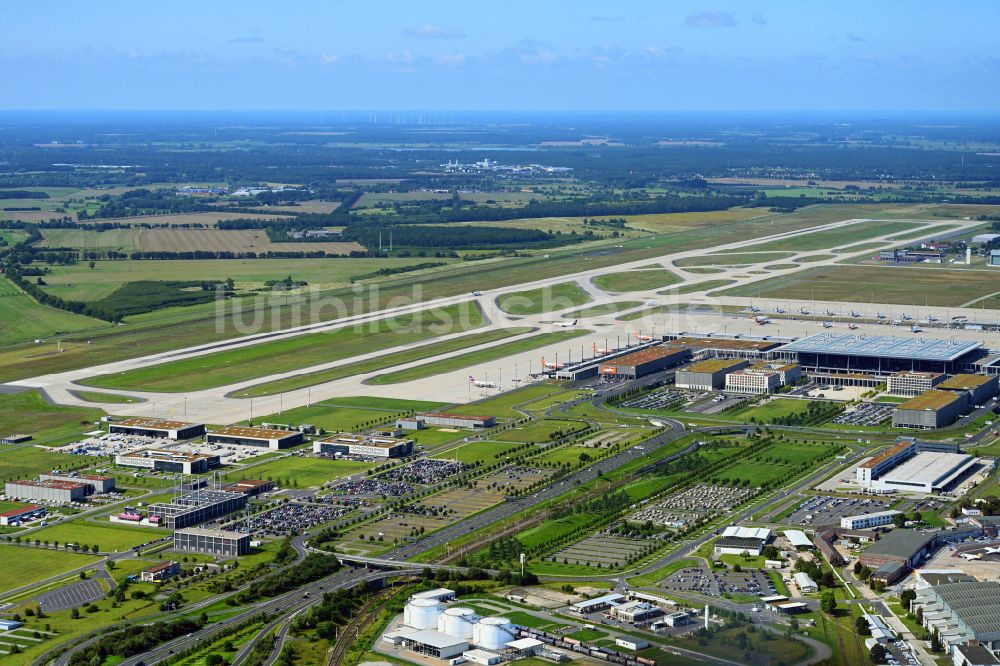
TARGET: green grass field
(296,472)
(22,566)
(552,529)
(635,280)
(375,364)
(486,452)
(29,461)
(695,287)
(601,310)
(539,431)
(502,406)
(23,319)
(776,408)
(106,398)
(476,357)
(903,285)
(107,536)
(300,351)
(545,299)
(348,414)
(732,259)
(824,240)
(565,454)
(30,413)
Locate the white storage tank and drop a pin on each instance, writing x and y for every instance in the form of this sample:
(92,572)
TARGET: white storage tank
(493,633)
(457,621)
(422,613)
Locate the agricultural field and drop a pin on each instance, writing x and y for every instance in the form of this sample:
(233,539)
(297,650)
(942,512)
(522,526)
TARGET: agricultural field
(606,552)
(638,280)
(824,240)
(79,282)
(544,299)
(503,350)
(903,285)
(27,565)
(385,361)
(30,413)
(23,319)
(296,472)
(287,354)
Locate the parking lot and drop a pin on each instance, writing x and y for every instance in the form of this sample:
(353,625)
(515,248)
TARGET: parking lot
(866,414)
(662,399)
(601,550)
(827,510)
(425,471)
(73,595)
(371,488)
(715,583)
(691,504)
(289,518)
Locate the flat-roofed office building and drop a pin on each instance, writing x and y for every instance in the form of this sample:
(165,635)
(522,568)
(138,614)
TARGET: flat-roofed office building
(932,409)
(263,437)
(149,427)
(211,542)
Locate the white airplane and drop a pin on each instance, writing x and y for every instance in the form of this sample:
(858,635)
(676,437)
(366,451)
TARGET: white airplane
(992,550)
(603,350)
(803,311)
(932,318)
(566,324)
(915,329)
(762,320)
(643,337)
(855,314)
(481,383)
(754,308)
(827,324)
(880,315)
(853,327)
(831,313)
(906,317)
(972,556)
(552,366)
(780,310)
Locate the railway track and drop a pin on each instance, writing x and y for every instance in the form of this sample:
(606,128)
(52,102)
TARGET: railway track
(364,617)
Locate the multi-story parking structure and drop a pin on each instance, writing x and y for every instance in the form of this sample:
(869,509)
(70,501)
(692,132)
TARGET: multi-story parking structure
(197,507)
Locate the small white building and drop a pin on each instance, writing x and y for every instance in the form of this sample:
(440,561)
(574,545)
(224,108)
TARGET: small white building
(484,657)
(804,582)
(630,643)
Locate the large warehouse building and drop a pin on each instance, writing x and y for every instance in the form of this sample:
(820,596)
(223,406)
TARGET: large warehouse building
(374,446)
(708,375)
(158,428)
(197,507)
(914,466)
(728,346)
(160,460)
(263,437)
(50,491)
(211,542)
(96,483)
(932,409)
(881,355)
(964,612)
(442,420)
(979,388)
(645,362)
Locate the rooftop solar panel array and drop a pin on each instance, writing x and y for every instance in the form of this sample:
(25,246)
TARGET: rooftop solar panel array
(920,349)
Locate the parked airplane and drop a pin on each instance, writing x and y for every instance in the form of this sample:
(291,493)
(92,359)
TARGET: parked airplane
(780,310)
(972,556)
(566,324)
(827,324)
(481,383)
(603,350)
(932,318)
(855,314)
(853,327)
(552,366)
(643,337)
(831,313)
(880,315)
(803,311)
(906,317)
(761,320)
(915,328)
(754,308)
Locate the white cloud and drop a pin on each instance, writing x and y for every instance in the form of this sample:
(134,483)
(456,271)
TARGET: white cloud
(428,31)
(451,58)
(714,18)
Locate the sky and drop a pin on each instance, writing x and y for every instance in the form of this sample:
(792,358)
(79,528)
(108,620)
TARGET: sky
(670,55)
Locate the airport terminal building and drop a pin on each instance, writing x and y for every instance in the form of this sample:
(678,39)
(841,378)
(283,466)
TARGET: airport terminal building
(880,355)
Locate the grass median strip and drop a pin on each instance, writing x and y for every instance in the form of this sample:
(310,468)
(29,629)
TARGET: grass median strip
(380,363)
(300,351)
(476,357)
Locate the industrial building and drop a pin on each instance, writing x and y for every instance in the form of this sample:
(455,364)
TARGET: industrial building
(725,346)
(909,384)
(211,542)
(753,381)
(738,540)
(21,514)
(927,473)
(798,539)
(597,604)
(645,362)
(979,388)
(251,487)
(973,655)
(96,483)
(867,521)
(49,491)
(421,421)
(961,613)
(160,572)
(897,552)
(197,507)
(932,409)
(804,582)
(161,460)
(158,428)
(880,355)
(994,258)
(875,468)
(708,375)
(636,612)
(262,437)
(347,444)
